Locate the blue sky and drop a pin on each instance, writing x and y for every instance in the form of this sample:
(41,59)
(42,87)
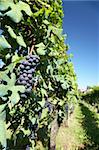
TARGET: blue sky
(81,24)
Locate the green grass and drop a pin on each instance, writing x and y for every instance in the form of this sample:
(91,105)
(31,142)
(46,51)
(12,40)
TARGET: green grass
(91,125)
(74,136)
(82,132)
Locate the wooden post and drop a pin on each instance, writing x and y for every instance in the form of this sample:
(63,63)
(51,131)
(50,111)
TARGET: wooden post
(54,131)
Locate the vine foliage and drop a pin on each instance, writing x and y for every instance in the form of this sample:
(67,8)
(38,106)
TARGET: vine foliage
(33,27)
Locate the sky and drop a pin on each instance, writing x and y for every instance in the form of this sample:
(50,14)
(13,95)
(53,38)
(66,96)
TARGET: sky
(81,24)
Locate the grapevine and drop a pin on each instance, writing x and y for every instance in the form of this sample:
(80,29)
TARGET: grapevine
(38,78)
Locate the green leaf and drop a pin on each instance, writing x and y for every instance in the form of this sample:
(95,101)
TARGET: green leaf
(19,38)
(3,126)
(3,133)
(25,7)
(42,103)
(61,103)
(15,14)
(57,31)
(1,110)
(46,22)
(10,68)
(20,41)
(50,69)
(39,12)
(41,49)
(14,98)
(12,80)
(44,4)
(3,90)
(11,32)
(3,43)
(26,132)
(3,76)
(16,58)
(43,92)
(5,4)
(48,33)
(32,119)
(44,113)
(50,87)
(54,101)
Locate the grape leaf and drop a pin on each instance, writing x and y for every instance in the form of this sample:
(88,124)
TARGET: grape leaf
(3,43)
(16,58)
(64,85)
(20,40)
(50,69)
(5,4)
(11,86)
(32,119)
(11,32)
(25,7)
(3,90)
(43,92)
(15,13)
(2,125)
(44,113)
(46,22)
(40,48)
(42,103)
(14,98)
(3,76)
(50,87)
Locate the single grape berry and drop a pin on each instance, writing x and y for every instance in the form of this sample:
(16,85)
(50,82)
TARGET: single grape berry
(30,71)
(24,82)
(21,78)
(30,60)
(24,75)
(27,68)
(23,96)
(28,85)
(26,78)
(33,70)
(30,76)
(30,81)
(25,71)
(28,57)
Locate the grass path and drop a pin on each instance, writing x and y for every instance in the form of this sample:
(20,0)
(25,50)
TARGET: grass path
(91,125)
(83,130)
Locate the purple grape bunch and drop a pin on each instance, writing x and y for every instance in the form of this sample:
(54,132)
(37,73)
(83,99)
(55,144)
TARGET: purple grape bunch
(26,70)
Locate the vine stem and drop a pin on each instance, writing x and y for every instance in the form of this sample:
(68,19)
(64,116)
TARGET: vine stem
(31,49)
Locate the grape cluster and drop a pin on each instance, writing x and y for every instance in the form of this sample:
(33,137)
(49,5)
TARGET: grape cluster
(26,70)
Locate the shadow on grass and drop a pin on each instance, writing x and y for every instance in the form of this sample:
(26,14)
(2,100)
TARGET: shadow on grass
(90,124)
